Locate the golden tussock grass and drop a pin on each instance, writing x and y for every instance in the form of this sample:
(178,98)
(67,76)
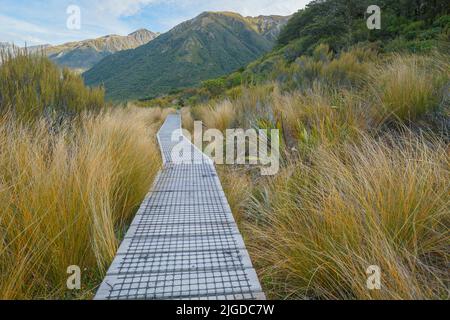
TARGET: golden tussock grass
(187,119)
(238,188)
(356,190)
(383,202)
(67,194)
(219,116)
(408,87)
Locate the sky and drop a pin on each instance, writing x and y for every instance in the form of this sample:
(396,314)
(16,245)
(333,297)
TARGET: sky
(46,21)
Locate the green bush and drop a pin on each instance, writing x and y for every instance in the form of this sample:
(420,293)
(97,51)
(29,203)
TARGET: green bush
(214,86)
(32,86)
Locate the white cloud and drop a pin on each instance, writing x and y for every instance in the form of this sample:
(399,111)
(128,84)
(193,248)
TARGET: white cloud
(120,8)
(20,25)
(21,32)
(127,8)
(264,7)
(45,21)
(108,14)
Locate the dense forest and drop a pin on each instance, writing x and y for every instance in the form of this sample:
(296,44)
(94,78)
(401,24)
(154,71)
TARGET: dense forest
(343,23)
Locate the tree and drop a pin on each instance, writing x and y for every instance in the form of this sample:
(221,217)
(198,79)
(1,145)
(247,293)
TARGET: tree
(214,86)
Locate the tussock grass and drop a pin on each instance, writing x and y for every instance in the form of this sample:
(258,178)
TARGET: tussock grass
(238,188)
(349,69)
(66,196)
(219,116)
(383,202)
(253,109)
(320,117)
(361,184)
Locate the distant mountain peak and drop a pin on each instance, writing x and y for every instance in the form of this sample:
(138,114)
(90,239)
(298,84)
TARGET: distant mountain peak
(207,46)
(143,35)
(142,31)
(267,25)
(83,55)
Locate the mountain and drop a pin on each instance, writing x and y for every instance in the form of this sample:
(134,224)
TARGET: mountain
(208,46)
(268,26)
(85,54)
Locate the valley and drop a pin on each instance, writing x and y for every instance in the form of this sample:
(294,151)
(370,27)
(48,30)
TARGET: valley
(210,45)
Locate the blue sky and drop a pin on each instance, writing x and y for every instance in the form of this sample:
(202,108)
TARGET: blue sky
(41,22)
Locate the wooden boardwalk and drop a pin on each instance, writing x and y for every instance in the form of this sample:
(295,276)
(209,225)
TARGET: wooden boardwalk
(184,242)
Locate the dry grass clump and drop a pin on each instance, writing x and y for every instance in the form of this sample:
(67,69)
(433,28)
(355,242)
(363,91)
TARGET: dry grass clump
(238,188)
(187,119)
(384,202)
(67,194)
(354,191)
(319,117)
(219,116)
(254,106)
(155,116)
(347,70)
(306,119)
(409,86)
(244,111)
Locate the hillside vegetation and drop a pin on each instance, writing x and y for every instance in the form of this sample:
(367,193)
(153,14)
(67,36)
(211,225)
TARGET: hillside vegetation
(364,181)
(418,27)
(83,55)
(407,26)
(211,45)
(413,24)
(365,163)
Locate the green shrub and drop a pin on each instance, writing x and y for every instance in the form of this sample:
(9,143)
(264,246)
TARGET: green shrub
(214,86)
(32,86)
